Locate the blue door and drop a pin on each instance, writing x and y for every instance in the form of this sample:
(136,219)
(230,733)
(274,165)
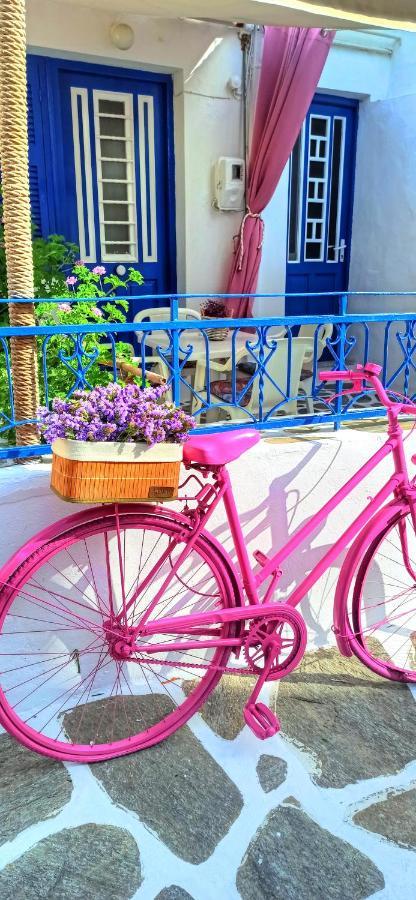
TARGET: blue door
(108,160)
(321,185)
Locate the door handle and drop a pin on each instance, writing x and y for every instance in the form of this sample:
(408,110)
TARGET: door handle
(340,249)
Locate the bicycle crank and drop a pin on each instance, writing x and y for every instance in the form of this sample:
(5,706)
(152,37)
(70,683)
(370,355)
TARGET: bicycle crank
(273,648)
(282,637)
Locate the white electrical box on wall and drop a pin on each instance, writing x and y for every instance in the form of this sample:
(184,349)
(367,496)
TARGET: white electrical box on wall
(229,178)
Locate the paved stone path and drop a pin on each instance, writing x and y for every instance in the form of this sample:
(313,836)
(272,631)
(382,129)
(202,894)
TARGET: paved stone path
(324,811)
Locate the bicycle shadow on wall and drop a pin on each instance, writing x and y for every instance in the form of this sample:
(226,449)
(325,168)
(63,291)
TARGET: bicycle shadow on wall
(269,525)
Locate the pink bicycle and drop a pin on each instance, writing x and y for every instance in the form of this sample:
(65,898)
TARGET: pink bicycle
(116,623)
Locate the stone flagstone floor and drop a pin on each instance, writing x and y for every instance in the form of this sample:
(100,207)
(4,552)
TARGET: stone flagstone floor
(324,810)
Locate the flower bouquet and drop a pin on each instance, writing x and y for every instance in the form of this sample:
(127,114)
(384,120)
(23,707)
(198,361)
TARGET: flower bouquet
(115,443)
(215,309)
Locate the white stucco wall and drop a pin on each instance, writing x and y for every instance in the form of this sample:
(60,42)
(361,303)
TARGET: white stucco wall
(208,124)
(383,256)
(201,58)
(348,72)
(289,482)
(383,238)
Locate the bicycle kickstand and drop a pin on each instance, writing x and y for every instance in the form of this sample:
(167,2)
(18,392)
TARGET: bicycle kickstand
(259,717)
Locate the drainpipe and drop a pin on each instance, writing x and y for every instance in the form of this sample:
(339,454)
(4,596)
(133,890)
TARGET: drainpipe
(14,155)
(245,42)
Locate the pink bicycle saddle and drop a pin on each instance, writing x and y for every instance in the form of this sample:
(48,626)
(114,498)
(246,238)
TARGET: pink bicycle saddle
(219,449)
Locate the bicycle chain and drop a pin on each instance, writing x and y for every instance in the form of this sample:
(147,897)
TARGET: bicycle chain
(186,665)
(248,669)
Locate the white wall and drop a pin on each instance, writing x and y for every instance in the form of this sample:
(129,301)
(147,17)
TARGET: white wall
(384,236)
(403,69)
(208,124)
(348,72)
(272,503)
(201,58)
(383,245)
(383,256)
(356,73)
(213,128)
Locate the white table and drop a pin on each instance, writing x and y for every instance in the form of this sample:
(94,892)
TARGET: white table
(217,351)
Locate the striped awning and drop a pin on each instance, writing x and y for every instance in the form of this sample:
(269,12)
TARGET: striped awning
(330,14)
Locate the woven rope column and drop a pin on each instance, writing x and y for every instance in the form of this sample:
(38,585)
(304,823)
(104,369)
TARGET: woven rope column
(16,209)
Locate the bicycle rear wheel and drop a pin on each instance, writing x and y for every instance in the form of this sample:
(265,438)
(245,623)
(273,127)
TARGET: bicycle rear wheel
(64,690)
(382,612)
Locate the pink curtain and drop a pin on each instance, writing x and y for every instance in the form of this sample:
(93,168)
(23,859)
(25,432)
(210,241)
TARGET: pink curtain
(292,62)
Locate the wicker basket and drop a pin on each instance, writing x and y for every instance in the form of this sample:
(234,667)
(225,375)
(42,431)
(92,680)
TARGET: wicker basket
(216,334)
(108,472)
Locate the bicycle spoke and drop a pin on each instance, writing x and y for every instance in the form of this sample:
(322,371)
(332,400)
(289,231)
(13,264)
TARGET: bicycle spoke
(68,617)
(384,602)
(86,693)
(33,677)
(70,693)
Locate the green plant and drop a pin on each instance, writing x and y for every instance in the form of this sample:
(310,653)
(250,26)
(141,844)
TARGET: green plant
(53,256)
(83,290)
(64,356)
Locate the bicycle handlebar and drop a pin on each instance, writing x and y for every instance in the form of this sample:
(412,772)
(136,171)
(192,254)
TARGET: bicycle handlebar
(361,373)
(369,372)
(335,376)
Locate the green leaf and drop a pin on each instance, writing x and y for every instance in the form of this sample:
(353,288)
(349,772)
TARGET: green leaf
(115,281)
(135,276)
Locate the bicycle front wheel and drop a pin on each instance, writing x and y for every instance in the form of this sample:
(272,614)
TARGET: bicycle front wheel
(65,689)
(383,599)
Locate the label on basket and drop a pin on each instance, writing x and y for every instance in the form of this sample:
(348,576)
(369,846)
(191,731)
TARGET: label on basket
(158,492)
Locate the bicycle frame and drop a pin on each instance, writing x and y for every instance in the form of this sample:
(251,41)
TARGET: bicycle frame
(397,485)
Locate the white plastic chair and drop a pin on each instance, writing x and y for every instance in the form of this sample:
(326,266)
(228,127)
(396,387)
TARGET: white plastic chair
(277,369)
(161,314)
(324,333)
(224,366)
(216,365)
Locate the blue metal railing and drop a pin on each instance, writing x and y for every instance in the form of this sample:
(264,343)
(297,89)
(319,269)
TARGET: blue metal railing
(263,373)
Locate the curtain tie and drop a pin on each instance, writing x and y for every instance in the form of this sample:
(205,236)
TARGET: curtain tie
(248,215)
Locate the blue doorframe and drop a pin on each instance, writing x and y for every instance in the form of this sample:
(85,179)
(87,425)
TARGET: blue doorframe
(53,188)
(321,196)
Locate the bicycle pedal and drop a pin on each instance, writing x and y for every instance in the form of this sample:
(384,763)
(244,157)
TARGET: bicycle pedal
(260,557)
(261,720)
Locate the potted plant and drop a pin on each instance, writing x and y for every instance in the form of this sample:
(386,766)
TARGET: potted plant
(215,309)
(115,443)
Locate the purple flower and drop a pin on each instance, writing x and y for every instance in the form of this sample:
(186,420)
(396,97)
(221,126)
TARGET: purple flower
(116,413)
(71,280)
(64,307)
(97,311)
(98,270)
(79,262)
